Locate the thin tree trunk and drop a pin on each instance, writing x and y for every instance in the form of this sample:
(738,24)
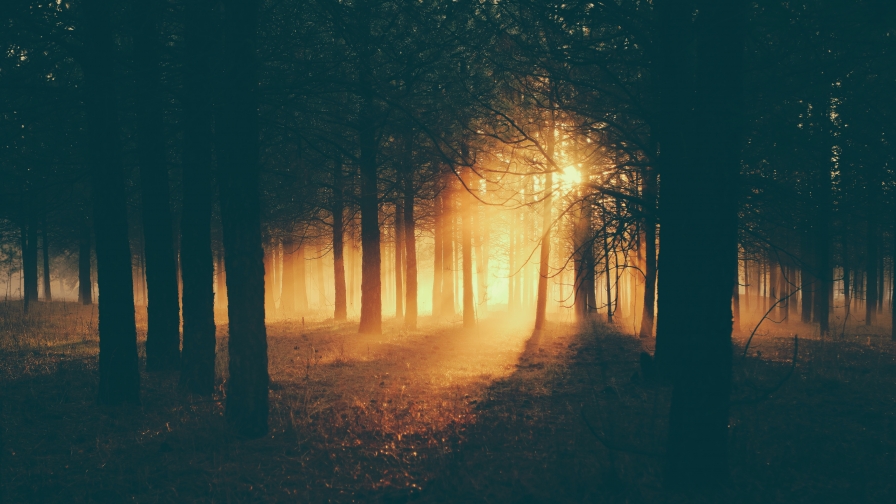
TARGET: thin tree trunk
(301,279)
(823,254)
(319,271)
(221,295)
(609,282)
(340,313)
(410,241)
(735,298)
(584,263)
(288,287)
(650,193)
(119,378)
(438,247)
(541,300)
(399,249)
(806,279)
(48,295)
(467,250)
(269,307)
(29,263)
(480,235)
(246,407)
(448,261)
(847,299)
(871,292)
(85,290)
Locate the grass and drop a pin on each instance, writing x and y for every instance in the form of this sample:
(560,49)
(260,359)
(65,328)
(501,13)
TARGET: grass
(438,415)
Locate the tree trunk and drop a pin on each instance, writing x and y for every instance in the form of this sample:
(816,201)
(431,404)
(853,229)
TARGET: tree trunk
(340,313)
(399,250)
(806,278)
(584,262)
(85,284)
(512,280)
(371,280)
(699,162)
(48,294)
(119,378)
(480,234)
(221,295)
(823,253)
(299,269)
(847,299)
(288,283)
(410,240)
(609,285)
(541,300)
(871,265)
(163,309)
(467,251)
(650,192)
(29,263)
(448,269)
(247,388)
(268,249)
(196,257)
(437,266)
(319,273)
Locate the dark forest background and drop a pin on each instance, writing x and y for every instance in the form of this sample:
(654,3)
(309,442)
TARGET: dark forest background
(685,170)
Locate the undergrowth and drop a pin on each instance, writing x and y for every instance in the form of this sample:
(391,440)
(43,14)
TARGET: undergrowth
(438,415)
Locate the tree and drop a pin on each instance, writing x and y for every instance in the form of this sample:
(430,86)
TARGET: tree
(163,310)
(119,377)
(699,124)
(197,269)
(247,394)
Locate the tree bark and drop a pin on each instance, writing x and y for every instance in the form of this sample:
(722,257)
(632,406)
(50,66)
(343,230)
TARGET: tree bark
(650,193)
(584,262)
(221,279)
(45,244)
(541,300)
(163,309)
(410,241)
(467,251)
(269,303)
(448,259)
(196,257)
(247,388)
(438,247)
(119,378)
(371,280)
(698,132)
(399,251)
(871,263)
(29,262)
(806,278)
(288,283)
(481,237)
(299,269)
(822,250)
(340,313)
(85,284)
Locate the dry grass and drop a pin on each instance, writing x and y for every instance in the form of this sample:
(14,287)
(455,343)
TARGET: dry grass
(436,415)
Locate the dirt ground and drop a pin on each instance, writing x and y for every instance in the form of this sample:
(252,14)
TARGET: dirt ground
(439,415)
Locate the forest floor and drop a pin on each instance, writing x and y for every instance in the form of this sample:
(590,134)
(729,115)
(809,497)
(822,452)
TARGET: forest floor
(439,415)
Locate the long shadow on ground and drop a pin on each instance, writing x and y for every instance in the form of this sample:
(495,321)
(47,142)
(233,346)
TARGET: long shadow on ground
(443,415)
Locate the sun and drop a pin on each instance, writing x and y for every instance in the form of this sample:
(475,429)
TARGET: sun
(569,177)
